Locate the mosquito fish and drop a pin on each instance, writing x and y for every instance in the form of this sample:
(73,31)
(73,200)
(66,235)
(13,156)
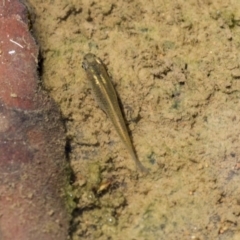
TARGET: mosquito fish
(106,97)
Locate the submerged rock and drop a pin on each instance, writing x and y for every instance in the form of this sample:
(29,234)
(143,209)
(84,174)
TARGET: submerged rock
(32,159)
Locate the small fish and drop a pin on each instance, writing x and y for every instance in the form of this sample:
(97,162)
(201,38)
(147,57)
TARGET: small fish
(106,98)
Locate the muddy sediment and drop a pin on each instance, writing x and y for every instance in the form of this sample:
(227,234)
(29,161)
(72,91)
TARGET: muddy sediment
(175,66)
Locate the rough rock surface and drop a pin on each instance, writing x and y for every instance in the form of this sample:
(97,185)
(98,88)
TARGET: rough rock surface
(32,161)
